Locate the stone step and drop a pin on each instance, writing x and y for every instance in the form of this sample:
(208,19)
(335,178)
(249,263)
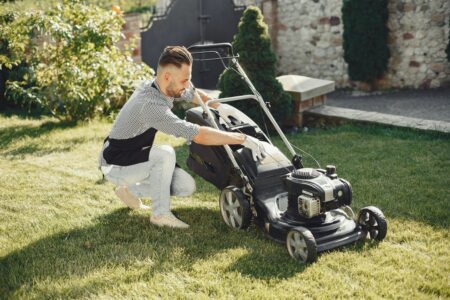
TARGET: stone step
(326,111)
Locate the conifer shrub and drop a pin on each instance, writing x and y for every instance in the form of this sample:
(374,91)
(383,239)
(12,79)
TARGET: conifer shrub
(365,38)
(253,44)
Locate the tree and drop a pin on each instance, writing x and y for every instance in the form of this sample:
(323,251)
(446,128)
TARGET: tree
(253,44)
(365,38)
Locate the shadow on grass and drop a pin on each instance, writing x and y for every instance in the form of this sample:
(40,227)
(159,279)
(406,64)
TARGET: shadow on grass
(14,133)
(24,113)
(124,239)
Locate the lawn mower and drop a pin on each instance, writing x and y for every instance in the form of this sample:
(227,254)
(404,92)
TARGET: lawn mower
(306,208)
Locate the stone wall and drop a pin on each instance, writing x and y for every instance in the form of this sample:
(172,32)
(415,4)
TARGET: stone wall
(418,37)
(307,38)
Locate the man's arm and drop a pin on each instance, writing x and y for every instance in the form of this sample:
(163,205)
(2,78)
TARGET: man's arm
(211,136)
(201,95)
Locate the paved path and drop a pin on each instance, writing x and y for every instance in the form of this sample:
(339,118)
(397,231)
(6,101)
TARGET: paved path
(421,109)
(432,104)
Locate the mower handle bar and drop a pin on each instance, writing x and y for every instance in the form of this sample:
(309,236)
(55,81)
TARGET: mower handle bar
(213,46)
(230,99)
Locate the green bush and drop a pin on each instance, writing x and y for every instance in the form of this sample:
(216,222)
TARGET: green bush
(128,6)
(75,69)
(365,38)
(252,43)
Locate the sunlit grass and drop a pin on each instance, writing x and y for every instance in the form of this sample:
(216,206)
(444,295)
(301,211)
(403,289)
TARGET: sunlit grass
(63,233)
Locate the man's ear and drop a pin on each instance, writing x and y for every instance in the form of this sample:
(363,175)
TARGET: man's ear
(167,76)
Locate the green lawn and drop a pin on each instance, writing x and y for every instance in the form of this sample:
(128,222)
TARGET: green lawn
(63,233)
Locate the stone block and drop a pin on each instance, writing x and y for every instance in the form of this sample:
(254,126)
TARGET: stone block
(424,8)
(334,21)
(323,21)
(408,36)
(336,41)
(323,44)
(425,84)
(435,83)
(414,64)
(383,84)
(437,18)
(408,7)
(437,68)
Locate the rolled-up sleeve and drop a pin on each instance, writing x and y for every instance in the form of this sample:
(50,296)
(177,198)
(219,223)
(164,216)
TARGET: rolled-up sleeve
(164,120)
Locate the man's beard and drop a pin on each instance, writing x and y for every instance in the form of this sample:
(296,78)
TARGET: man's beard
(171,92)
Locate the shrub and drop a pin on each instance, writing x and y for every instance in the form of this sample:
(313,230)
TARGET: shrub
(252,43)
(75,69)
(365,38)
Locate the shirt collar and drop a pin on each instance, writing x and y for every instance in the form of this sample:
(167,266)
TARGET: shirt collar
(155,85)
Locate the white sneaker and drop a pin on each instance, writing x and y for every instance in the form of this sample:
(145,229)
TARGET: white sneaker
(129,200)
(168,220)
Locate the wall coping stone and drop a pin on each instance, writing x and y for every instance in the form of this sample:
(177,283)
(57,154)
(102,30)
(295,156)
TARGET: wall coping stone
(306,87)
(380,118)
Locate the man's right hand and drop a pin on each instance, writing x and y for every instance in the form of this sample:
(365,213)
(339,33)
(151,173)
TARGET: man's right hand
(256,146)
(225,111)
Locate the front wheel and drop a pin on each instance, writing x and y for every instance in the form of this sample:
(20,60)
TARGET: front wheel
(301,245)
(372,220)
(235,208)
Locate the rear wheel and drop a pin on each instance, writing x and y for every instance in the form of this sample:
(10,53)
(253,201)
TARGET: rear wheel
(372,220)
(301,245)
(235,208)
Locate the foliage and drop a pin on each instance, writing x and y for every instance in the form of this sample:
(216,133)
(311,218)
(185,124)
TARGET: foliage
(75,68)
(252,43)
(128,6)
(64,234)
(365,38)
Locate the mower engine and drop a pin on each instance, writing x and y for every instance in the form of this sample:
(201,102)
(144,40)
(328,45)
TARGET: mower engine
(312,192)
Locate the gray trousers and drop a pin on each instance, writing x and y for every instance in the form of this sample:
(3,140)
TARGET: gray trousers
(157,178)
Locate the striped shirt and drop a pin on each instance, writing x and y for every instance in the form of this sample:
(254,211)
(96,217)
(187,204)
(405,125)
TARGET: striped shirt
(133,132)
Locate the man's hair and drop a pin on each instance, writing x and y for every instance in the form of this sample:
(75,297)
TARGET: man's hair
(175,55)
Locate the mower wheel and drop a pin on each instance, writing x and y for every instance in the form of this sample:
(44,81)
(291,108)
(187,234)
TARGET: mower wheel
(235,208)
(372,220)
(301,245)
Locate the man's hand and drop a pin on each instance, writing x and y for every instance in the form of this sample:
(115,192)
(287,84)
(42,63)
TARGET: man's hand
(225,111)
(256,146)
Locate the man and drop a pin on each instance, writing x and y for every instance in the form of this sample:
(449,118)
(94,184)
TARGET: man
(140,169)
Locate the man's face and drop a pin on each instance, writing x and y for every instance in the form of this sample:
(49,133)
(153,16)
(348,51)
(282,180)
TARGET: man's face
(179,80)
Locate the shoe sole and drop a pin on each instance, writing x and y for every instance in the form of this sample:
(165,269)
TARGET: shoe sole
(169,226)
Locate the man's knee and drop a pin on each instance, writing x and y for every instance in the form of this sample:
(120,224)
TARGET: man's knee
(164,153)
(183,184)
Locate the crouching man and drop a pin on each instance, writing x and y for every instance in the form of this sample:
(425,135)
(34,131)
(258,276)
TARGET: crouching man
(130,160)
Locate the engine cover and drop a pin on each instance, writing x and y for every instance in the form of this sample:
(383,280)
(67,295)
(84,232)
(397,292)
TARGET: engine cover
(312,192)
